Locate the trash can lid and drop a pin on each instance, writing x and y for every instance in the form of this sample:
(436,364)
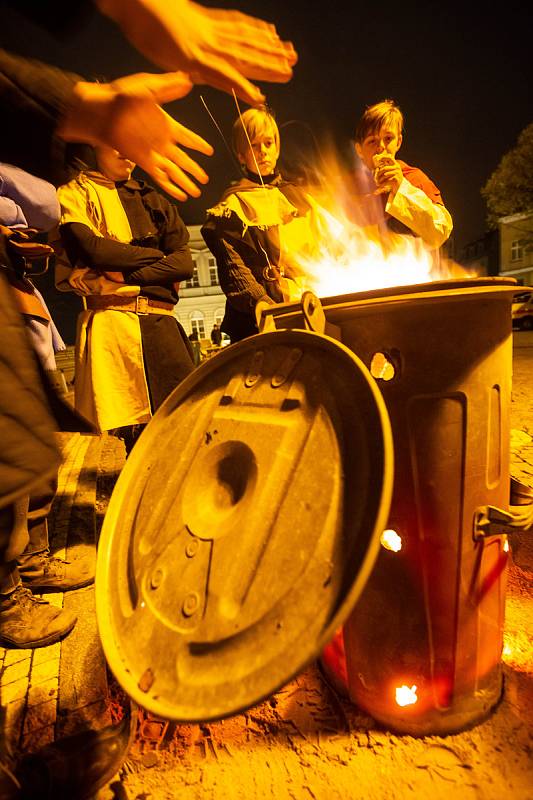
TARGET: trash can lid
(244,525)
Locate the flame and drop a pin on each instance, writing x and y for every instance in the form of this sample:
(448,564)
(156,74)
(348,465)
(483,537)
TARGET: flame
(345,250)
(390,540)
(406,696)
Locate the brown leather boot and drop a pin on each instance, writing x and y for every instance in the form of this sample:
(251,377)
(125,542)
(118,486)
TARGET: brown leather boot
(42,572)
(27,621)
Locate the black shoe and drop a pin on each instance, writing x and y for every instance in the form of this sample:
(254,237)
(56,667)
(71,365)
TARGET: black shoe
(43,573)
(78,766)
(27,621)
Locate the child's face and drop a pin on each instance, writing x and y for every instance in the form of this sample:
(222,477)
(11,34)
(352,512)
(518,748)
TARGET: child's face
(265,153)
(387,140)
(113,165)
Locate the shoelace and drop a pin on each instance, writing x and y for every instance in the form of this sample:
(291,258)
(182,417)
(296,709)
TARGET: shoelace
(25,596)
(54,565)
(48,562)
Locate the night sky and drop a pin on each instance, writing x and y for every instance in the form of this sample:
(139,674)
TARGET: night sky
(462,78)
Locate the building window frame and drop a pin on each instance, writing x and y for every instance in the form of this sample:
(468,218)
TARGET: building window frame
(517,250)
(213,272)
(197,323)
(194,282)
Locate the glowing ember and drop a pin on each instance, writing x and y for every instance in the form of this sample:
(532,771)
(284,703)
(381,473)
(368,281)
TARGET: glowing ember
(506,546)
(391,541)
(406,696)
(381,368)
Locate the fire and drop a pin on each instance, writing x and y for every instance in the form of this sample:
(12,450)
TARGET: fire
(354,251)
(406,696)
(390,540)
(350,258)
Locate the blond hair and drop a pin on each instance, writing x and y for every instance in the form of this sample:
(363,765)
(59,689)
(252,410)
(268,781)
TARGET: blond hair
(375,117)
(254,122)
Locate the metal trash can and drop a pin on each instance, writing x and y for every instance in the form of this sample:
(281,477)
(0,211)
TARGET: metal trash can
(424,641)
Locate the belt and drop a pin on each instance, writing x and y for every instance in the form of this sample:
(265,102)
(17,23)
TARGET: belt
(139,305)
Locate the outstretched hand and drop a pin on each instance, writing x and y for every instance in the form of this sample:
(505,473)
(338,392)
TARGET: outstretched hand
(221,48)
(126,115)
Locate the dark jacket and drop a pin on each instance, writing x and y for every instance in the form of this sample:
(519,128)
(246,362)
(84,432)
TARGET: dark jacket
(157,260)
(248,256)
(29,452)
(32,98)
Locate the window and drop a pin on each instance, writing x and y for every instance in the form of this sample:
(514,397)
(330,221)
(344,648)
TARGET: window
(198,323)
(213,272)
(194,281)
(517,251)
(219,316)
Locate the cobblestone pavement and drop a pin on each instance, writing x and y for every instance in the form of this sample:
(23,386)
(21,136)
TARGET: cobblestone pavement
(46,693)
(522,434)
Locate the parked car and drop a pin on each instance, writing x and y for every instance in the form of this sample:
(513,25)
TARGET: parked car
(523,311)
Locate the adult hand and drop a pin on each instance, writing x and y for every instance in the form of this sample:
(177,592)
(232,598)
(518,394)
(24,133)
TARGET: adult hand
(217,47)
(126,115)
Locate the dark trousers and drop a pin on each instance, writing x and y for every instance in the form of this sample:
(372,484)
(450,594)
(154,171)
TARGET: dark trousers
(24,532)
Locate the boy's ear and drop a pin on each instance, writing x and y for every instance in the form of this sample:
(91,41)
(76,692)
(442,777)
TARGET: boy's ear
(358,149)
(400,140)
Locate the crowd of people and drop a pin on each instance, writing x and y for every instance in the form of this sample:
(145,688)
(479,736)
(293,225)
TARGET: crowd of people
(122,246)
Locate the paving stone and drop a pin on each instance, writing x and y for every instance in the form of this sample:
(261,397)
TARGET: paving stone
(40,716)
(93,716)
(21,669)
(14,691)
(44,672)
(82,656)
(15,655)
(36,739)
(50,653)
(14,713)
(43,692)
(54,598)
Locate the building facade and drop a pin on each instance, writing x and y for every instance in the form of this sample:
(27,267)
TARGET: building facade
(482,256)
(202,301)
(516,247)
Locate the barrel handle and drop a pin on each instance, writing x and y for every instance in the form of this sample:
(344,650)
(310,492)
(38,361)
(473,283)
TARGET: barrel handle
(492,521)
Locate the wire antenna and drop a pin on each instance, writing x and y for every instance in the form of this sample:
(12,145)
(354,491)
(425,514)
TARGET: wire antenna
(217,126)
(248,139)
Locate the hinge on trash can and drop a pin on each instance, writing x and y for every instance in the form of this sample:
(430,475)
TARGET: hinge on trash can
(312,312)
(315,319)
(491,521)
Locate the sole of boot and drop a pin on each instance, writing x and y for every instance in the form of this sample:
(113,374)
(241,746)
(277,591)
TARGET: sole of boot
(52,638)
(45,588)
